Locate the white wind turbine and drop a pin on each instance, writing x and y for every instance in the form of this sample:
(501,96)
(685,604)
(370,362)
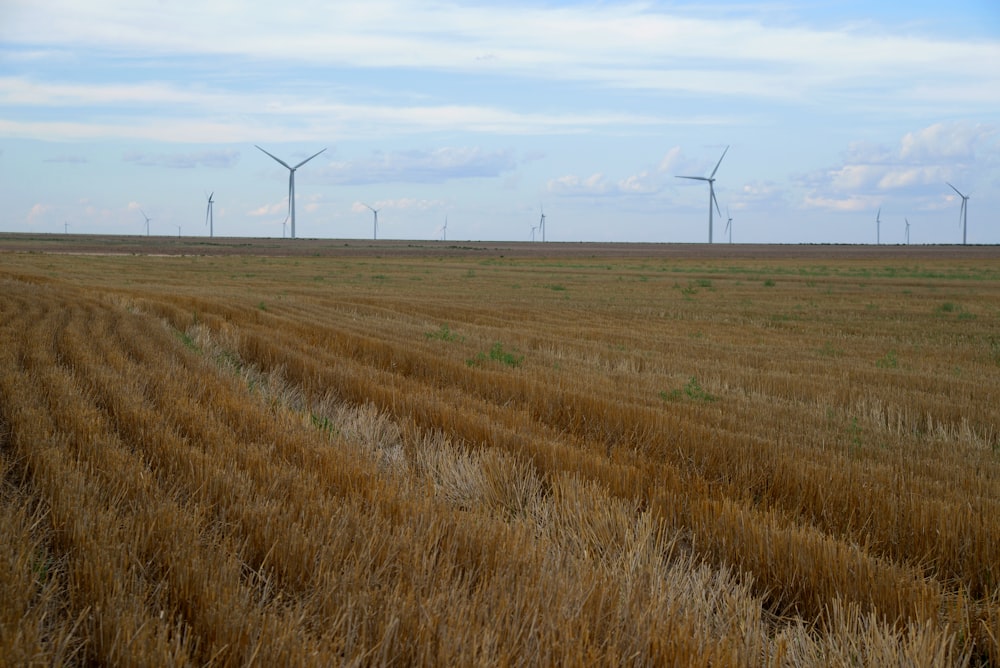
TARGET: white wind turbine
(963,213)
(291,182)
(878,226)
(711,191)
(444,230)
(209,217)
(729,225)
(907,231)
(541,223)
(147,220)
(375,223)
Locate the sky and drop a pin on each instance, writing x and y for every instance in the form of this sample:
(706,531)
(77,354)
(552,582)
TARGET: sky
(844,120)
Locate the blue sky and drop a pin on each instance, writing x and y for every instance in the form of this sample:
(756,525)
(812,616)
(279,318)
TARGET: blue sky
(483,113)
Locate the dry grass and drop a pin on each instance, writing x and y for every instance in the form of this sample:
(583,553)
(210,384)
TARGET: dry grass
(467,459)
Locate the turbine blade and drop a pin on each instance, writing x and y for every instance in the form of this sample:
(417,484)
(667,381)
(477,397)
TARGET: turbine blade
(696,178)
(957,190)
(307,159)
(275,158)
(715,201)
(719,163)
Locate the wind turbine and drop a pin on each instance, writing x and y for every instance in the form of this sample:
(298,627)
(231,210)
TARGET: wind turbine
(178,231)
(209,218)
(907,231)
(291,182)
(444,230)
(147,220)
(729,225)
(65,228)
(541,222)
(375,223)
(533,228)
(711,191)
(963,213)
(878,226)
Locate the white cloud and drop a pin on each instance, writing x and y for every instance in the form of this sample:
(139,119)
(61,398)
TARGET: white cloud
(595,184)
(919,165)
(846,203)
(401,204)
(622,45)
(270,209)
(213,158)
(947,141)
(421,166)
(671,160)
(38,211)
(638,184)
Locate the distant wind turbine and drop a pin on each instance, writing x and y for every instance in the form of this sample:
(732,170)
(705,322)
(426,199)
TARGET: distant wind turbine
(444,230)
(907,231)
(66,228)
(878,226)
(711,191)
(541,222)
(178,231)
(375,222)
(291,182)
(729,225)
(209,218)
(963,213)
(147,220)
(533,228)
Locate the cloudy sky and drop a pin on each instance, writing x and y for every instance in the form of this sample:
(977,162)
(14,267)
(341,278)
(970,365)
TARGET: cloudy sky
(482,114)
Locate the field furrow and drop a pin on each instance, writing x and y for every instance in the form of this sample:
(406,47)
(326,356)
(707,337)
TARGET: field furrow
(417,460)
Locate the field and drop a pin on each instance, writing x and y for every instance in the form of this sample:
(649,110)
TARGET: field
(355,453)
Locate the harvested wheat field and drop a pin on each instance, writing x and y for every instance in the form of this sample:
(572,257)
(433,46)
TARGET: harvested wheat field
(327,453)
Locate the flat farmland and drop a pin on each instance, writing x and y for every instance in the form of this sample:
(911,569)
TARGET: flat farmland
(317,452)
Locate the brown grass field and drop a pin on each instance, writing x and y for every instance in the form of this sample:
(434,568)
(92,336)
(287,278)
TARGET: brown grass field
(316,452)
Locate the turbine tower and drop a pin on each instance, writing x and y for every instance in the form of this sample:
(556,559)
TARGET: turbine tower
(878,226)
(147,220)
(291,182)
(963,213)
(729,225)
(907,231)
(375,223)
(209,218)
(711,191)
(444,230)
(541,222)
